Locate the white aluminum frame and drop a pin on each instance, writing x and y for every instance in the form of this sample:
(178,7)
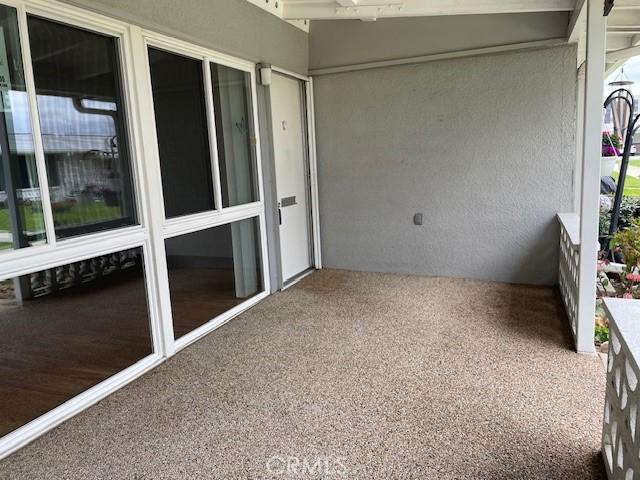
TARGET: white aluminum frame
(60,252)
(182,225)
(152,229)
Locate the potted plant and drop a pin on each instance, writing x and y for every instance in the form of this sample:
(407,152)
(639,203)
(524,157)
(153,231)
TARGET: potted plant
(628,243)
(611,146)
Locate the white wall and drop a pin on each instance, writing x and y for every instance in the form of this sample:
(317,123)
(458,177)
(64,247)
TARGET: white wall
(483,146)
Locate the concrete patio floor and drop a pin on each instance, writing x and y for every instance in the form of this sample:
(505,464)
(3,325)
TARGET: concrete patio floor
(353,375)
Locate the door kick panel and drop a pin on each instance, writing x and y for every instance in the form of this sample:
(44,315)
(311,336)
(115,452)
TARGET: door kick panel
(288,201)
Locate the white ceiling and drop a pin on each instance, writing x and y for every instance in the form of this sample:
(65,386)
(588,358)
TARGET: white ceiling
(623,31)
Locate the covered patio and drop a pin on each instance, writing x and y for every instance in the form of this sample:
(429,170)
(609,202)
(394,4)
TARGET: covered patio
(309,239)
(353,375)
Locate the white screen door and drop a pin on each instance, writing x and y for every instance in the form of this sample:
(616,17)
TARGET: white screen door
(288,116)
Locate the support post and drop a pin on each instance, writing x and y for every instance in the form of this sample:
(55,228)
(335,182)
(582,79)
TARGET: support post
(590,188)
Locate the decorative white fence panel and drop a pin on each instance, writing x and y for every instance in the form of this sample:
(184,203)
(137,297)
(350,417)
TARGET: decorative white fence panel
(569,265)
(621,425)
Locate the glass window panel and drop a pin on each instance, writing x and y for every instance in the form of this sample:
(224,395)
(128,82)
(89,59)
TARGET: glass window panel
(211,271)
(235,135)
(81,106)
(21,218)
(181,127)
(65,329)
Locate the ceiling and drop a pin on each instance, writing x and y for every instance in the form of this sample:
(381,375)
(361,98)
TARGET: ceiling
(623,38)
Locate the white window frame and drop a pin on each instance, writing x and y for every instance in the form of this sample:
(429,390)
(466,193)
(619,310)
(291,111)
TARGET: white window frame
(61,252)
(153,228)
(173,227)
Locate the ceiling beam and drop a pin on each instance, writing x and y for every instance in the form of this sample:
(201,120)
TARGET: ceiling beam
(626,5)
(578,22)
(330,10)
(623,54)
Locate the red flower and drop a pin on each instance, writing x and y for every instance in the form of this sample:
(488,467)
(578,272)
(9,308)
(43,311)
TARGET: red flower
(633,277)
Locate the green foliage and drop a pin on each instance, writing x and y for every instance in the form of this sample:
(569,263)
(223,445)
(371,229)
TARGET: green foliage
(602,333)
(611,139)
(629,210)
(628,240)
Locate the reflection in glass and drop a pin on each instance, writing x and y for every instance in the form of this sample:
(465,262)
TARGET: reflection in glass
(211,271)
(181,126)
(65,329)
(80,104)
(235,134)
(21,219)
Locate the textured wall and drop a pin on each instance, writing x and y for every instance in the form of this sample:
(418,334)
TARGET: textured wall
(231,26)
(343,42)
(483,146)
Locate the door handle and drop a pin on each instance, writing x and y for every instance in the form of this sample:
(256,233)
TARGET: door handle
(279,214)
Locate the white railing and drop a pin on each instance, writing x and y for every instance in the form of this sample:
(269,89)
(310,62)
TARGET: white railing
(621,426)
(569,265)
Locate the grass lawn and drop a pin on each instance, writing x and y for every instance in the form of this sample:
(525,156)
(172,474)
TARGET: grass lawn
(33,219)
(78,214)
(632,183)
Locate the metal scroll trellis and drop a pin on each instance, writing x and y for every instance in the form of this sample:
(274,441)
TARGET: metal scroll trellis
(626,97)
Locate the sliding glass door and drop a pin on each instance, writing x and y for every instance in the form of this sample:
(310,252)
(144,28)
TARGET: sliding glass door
(206,138)
(75,311)
(131,212)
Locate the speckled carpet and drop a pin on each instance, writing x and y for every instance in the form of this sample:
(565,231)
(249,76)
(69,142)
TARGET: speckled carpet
(358,376)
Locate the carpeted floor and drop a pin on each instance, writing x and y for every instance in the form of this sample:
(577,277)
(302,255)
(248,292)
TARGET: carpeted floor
(352,375)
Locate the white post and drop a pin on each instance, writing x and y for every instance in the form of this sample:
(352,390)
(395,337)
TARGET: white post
(577,173)
(589,205)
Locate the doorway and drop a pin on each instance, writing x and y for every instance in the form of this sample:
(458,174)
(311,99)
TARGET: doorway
(288,116)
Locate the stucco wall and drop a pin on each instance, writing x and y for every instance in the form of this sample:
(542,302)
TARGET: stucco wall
(483,146)
(235,27)
(335,43)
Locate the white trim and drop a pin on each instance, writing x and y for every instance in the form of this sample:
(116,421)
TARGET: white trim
(75,16)
(589,206)
(276,8)
(623,54)
(284,71)
(189,49)
(218,321)
(41,425)
(200,221)
(36,133)
(151,174)
(313,174)
(329,10)
(578,22)
(213,137)
(554,42)
(256,131)
(73,250)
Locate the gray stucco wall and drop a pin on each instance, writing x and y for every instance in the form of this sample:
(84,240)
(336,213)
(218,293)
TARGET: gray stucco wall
(483,146)
(344,42)
(235,27)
